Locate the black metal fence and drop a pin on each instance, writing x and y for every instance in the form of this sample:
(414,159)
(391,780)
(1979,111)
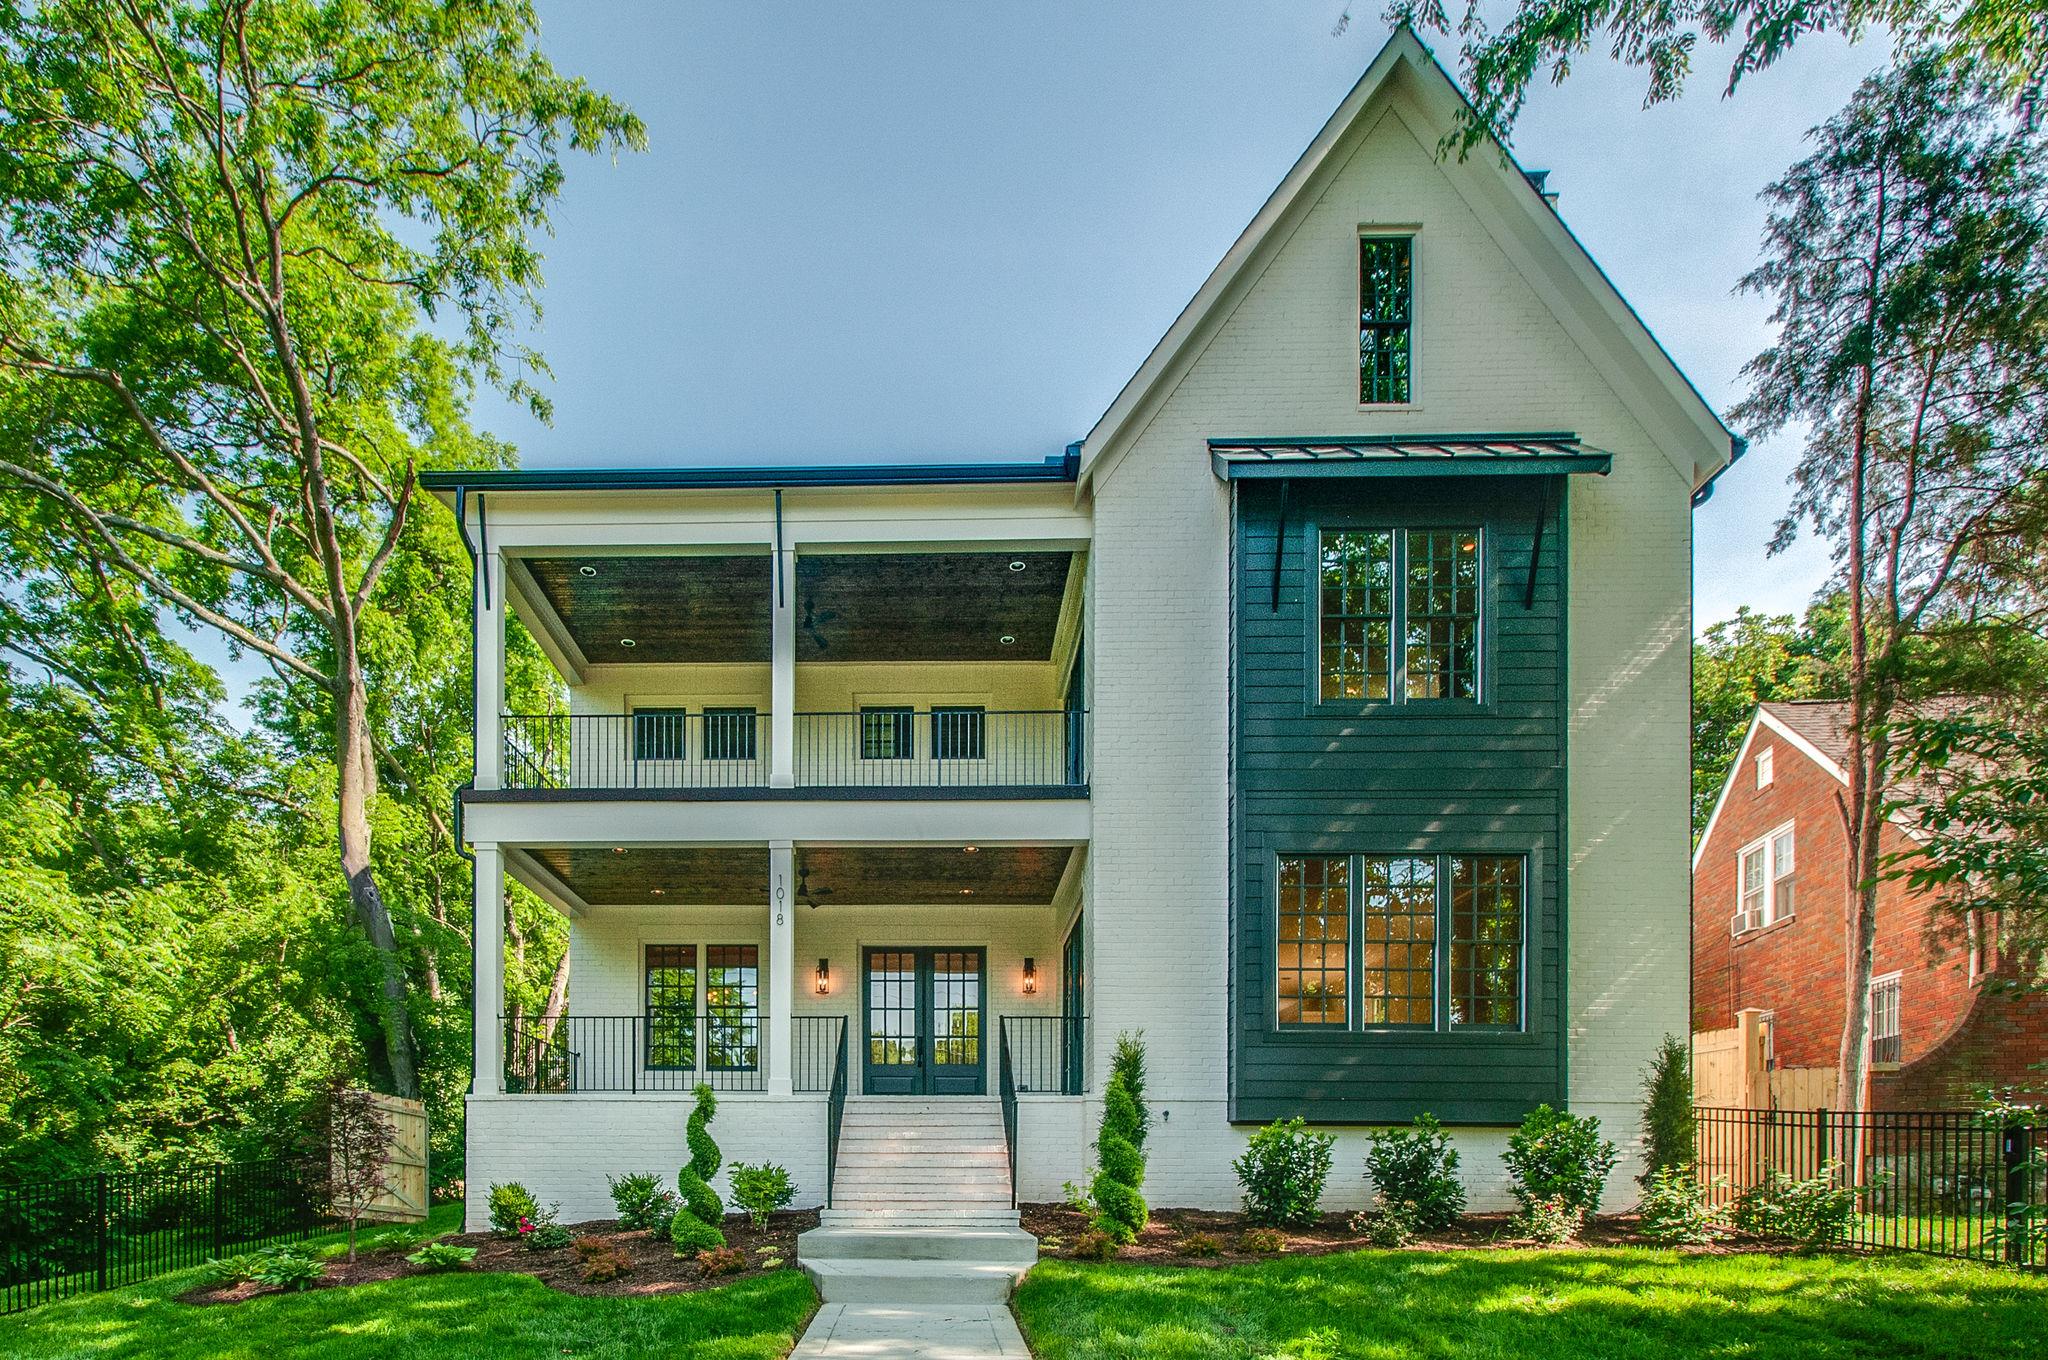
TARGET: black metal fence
(86,1233)
(668,749)
(1047,1053)
(657,1051)
(816,1042)
(1947,1183)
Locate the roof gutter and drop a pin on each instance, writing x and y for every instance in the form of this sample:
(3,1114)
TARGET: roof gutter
(1062,467)
(1737,446)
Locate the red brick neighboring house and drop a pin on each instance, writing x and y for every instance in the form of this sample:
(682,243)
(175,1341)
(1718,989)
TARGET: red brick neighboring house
(1768,887)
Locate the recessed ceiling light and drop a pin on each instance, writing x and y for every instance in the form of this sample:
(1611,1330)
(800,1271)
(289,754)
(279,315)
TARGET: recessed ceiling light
(1008,640)
(1017,564)
(588,571)
(627,642)
(656,891)
(618,849)
(967,892)
(970,849)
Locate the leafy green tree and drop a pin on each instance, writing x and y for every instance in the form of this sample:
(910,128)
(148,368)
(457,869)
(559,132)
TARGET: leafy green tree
(1907,258)
(231,225)
(1741,662)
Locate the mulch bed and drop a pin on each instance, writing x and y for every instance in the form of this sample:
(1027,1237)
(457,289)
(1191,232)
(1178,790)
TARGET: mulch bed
(1058,1228)
(656,1267)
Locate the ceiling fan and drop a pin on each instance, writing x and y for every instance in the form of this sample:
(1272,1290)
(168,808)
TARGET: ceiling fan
(813,616)
(803,890)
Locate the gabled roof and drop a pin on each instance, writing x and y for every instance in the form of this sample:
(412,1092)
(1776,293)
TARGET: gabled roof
(1644,376)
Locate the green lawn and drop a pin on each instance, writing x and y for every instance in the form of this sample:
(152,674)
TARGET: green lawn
(1533,1305)
(435,1317)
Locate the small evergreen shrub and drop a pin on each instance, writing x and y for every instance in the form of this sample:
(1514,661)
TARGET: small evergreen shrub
(1096,1245)
(1199,1244)
(643,1202)
(288,1268)
(1675,1209)
(1120,1210)
(548,1236)
(1392,1226)
(1548,1219)
(692,1234)
(1815,1211)
(438,1256)
(721,1261)
(761,1190)
(510,1203)
(1668,1128)
(1414,1173)
(1283,1170)
(1262,1241)
(1559,1156)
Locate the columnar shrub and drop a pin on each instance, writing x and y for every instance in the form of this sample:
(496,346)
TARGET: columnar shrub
(1668,1130)
(1558,1161)
(693,1182)
(1120,1146)
(642,1200)
(1414,1174)
(692,1234)
(1283,1170)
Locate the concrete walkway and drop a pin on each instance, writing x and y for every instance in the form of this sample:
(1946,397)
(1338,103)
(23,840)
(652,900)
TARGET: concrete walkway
(912,1331)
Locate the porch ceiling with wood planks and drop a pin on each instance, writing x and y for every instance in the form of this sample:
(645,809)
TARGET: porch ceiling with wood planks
(832,876)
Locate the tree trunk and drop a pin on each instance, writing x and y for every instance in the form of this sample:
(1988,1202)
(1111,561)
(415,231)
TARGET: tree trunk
(357,781)
(558,997)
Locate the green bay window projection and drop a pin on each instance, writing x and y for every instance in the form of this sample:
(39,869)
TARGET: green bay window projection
(1386,291)
(1422,942)
(1399,615)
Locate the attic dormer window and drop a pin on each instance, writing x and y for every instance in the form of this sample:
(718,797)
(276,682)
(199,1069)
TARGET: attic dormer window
(1385,294)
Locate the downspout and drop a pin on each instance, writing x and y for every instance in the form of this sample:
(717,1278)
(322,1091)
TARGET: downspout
(1737,446)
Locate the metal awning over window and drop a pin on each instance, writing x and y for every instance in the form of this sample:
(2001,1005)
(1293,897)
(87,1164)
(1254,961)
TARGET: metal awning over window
(1448,455)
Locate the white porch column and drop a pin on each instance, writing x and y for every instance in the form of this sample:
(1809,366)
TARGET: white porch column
(782,675)
(490,671)
(487,929)
(781,963)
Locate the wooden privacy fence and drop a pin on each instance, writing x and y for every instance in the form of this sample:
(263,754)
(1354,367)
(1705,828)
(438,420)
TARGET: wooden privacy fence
(1732,1070)
(404,1197)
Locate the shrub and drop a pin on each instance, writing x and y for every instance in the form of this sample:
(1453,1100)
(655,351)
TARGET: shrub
(1393,1226)
(510,1203)
(439,1256)
(605,1261)
(722,1261)
(1077,1198)
(1120,1146)
(1283,1170)
(1558,1156)
(1264,1241)
(761,1190)
(287,1268)
(1675,1209)
(693,1182)
(1096,1245)
(642,1201)
(360,1139)
(692,1234)
(1549,1219)
(1813,1211)
(1414,1174)
(548,1236)
(1199,1244)
(231,1270)
(1668,1128)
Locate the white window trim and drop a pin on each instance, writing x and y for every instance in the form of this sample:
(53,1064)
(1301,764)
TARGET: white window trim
(1739,923)
(1895,981)
(1766,767)
(1413,231)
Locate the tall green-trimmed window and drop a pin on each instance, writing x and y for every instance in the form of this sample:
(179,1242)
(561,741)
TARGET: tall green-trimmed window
(1486,941)
(1314,948)
(1399,614)
(1397,940)
(732,1007)
(1386,294)
(671,982)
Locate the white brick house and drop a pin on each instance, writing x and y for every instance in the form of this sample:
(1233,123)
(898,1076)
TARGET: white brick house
(1340,750)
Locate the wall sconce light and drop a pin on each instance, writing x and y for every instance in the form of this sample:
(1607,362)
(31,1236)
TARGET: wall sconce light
(824,976)
(1030,977)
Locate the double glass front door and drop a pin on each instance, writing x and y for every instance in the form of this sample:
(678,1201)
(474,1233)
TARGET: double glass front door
(925,1010)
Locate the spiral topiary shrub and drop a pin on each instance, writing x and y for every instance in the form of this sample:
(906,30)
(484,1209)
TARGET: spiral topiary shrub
(692,1234)
(1120,1210)
(693,1182)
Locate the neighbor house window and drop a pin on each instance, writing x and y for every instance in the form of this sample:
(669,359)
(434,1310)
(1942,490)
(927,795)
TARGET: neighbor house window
(959,733)
(1315,940)
(1885,1041)
(732,1007)
(661,734)
(1430,942)
(731,733)
(887,733)
(1764,881)
(1386,290)
(1765,767)
(1399,614)
(671,992)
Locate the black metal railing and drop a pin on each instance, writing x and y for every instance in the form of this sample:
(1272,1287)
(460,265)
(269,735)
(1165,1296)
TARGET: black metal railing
(1946,1183)
(1046,1053)
(835,1115)
(1006,1090)
(874,748)
(86,1233)
(665,750)
(814,1044)
(658,1051)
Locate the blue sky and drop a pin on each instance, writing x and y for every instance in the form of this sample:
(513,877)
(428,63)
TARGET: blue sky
(934,230)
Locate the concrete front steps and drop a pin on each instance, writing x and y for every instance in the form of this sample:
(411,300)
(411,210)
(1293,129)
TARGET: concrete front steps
(920,1208)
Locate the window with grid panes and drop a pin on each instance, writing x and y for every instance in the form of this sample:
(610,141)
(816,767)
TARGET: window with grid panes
(1486,941)
(732,1014)
(671,996)
(1886,1038)
(1357,631)
(887,733)
(1386,289)
(730,733)
(1397,940)
(959,733)
(1314,945)
(1441,625)
(661,734)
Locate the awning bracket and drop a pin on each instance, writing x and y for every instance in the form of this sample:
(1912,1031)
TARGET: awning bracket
(1280,545)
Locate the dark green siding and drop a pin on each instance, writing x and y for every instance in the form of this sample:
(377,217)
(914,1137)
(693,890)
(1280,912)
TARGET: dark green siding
(1353,778)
